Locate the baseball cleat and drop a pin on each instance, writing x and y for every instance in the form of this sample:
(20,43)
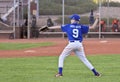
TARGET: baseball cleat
(98,74)
(58,75)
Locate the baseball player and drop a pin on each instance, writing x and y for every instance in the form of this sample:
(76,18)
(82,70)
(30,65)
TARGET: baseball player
(74,32)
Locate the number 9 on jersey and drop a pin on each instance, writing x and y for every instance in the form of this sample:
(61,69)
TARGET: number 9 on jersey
(75,33)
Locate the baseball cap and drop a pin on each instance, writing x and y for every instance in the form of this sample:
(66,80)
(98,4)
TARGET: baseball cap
(75,17)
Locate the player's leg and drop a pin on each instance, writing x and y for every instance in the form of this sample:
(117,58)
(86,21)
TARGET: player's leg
(62,57)
(80,53)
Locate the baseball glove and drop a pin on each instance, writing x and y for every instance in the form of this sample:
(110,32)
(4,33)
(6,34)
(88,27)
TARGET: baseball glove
(44,28)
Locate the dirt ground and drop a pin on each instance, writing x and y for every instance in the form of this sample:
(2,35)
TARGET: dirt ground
(91,46)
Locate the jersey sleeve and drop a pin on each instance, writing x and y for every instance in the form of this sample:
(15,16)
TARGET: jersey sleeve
(85,29)
(64,28)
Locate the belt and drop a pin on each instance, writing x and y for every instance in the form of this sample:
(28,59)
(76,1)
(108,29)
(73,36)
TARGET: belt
(75,41)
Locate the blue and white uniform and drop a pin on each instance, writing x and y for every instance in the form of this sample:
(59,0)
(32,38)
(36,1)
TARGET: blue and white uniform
(75,36)
(75,33)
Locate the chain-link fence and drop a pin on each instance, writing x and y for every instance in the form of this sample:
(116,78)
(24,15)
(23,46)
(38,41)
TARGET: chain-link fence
(59,11)
(11,16)
(109,24)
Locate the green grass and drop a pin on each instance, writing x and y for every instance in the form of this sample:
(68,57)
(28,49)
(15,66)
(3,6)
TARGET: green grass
(19,46)
(43,69)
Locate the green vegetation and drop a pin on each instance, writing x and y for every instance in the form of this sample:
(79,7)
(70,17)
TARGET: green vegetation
(19,46)
(43,69)
(54,7)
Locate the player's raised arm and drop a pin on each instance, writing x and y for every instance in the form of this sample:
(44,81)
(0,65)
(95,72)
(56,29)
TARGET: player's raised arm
(54,27)
(47,28)
(95,23)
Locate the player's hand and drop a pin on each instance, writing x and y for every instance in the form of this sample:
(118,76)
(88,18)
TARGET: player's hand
(96,21)
(97,15)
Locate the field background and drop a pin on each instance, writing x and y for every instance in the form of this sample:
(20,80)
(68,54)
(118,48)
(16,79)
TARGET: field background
(39,64)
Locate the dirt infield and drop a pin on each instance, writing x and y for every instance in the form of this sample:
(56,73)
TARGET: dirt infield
(91,46)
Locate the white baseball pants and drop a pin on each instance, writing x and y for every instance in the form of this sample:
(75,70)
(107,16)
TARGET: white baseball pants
(78,49)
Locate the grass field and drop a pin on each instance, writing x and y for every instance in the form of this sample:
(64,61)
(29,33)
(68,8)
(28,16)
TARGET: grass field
(19,46)
(43,69)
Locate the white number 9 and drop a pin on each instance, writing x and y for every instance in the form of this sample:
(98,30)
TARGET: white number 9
(75,33)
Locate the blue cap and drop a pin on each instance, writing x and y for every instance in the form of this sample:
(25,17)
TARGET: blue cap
(75,17)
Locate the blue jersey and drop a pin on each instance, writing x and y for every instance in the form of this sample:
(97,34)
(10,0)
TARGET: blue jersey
(75,31)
